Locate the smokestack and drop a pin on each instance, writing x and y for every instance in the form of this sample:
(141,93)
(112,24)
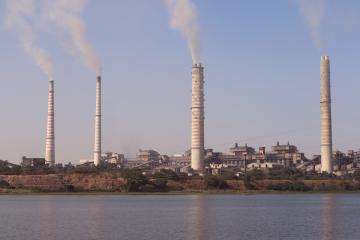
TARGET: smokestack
(97,143)
(197,123)
(325,115)
(50,130)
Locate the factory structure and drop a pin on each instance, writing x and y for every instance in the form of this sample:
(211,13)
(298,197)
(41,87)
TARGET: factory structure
(200,160)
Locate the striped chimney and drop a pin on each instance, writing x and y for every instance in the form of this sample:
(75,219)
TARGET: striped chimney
(197,118)
(50,130)
(97,142)
(325,115)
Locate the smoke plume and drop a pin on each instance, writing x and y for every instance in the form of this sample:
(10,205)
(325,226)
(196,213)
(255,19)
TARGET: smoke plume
(184,18)
(18,19)
(66,14)
(313,12)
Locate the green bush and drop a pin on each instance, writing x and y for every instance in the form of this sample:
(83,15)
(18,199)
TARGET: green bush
(69,188)
(4,184)
(216,182)
(289,186)
(166,174)
(248,184)
(135,180)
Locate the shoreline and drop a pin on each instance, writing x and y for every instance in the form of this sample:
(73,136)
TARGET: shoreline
(174,193)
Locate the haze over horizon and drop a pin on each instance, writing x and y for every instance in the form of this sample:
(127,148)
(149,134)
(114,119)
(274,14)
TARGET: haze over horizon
(261,80)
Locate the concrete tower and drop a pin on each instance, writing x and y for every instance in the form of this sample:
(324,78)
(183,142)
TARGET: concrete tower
(197,123)
(325,115)
(97,142)
(50,130)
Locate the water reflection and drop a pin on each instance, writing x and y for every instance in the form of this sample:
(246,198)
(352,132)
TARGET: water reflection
(96,218)
(46,217)
(328,228)
(198,217)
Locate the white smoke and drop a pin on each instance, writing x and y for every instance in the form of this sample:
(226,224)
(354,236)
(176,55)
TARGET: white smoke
(66,14)
(313,12)
(184,18)
(18,18)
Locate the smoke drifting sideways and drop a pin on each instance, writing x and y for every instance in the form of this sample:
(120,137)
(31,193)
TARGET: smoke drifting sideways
(19,16)
(313,12)
(66,14)
(184,19)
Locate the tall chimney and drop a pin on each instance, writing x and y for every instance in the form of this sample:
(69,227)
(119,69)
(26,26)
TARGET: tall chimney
(50,130)
(97,143)
(197,123)
(325,115)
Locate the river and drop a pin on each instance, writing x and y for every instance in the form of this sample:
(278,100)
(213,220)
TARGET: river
(196,217)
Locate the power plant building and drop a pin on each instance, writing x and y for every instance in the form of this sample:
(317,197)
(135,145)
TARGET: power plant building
(286,155)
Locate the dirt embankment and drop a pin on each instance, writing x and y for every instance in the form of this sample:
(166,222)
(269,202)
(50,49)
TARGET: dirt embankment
(64,182)
(113,182)
(199,185)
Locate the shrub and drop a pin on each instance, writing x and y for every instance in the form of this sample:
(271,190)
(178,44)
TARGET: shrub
(289,186)
(248,184)
(216,182)
(160,185)
(166,174)
(69,188)
(4,184)
(135,180)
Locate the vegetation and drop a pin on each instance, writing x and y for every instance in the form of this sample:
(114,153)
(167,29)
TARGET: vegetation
(248,184)
(135,180)
(113,179)
(4,184)
(289,186)
(214,182)
(290,174)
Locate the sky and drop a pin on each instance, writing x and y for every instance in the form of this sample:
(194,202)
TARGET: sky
(261,80)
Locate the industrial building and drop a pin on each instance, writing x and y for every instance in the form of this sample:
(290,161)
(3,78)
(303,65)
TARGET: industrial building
(148,156)
(284,155)
(32,162)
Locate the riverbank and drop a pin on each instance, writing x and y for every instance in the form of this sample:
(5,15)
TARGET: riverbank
(116,183)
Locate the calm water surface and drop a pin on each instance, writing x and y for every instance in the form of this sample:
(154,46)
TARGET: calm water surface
(288,216)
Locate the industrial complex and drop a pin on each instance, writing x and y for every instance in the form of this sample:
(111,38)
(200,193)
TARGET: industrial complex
(198,159)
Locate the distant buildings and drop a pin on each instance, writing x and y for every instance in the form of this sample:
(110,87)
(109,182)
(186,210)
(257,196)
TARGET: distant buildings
(282,155)
(108,158)
(148,155)
(114,158)
(238,159)
(32,162)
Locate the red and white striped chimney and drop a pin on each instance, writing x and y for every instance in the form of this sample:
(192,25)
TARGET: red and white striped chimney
(50,130)
(97,142)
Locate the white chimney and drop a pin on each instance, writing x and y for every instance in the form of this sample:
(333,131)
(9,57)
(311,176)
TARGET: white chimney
(197,121)
(325,115)
(50,130)
(97,142)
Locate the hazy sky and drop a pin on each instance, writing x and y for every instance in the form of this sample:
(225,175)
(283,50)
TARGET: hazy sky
(261,80)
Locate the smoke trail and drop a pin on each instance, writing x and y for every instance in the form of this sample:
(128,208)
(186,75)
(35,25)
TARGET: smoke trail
(66,14)
(313,12)
(184,18)
(17,19)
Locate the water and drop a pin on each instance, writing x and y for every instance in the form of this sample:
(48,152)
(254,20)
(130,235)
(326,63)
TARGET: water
(225,217)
